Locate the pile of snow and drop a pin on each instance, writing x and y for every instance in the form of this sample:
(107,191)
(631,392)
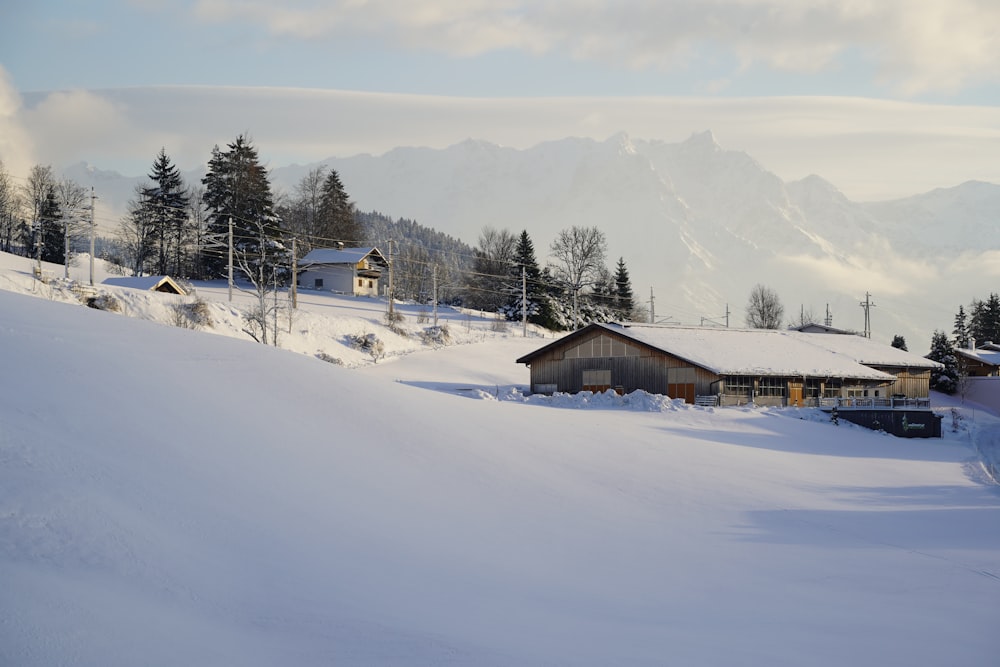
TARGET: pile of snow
(170,497)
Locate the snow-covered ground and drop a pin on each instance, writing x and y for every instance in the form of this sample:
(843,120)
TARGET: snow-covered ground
(170,497)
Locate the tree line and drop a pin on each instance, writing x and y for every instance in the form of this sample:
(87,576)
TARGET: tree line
(184,230)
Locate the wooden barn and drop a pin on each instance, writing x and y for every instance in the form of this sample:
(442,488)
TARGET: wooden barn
(728,366)
(354,271)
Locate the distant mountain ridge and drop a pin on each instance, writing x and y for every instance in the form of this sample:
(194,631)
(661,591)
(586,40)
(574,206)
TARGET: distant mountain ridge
(697,225)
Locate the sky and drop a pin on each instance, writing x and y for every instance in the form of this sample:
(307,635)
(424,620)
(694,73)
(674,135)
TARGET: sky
(206,500)
(884,99)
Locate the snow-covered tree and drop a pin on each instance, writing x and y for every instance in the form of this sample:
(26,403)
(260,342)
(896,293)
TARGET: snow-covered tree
(946,379)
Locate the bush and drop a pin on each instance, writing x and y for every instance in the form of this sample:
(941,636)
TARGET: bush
(369,343)
(105,302)
(438,335)
(323,356)
(394,321)
(193,315)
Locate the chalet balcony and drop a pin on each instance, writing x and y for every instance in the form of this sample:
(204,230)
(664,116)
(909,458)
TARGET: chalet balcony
(869,403)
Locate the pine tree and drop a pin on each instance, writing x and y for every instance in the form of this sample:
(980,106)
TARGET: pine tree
(237,188)
(946,379)
(984,320)
(165,203)
(992,315)
(624,300)
(899,342)
(50,222)
(336,218)
(961,330)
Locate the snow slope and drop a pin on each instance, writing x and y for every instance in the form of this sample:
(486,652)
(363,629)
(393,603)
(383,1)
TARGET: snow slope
(170,497)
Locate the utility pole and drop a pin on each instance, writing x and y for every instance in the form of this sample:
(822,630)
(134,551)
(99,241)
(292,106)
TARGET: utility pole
(392,312)
(230,258)
(652,309)
(295,280)
(434,287)
(93,232)
(829,317)
(66,248)
(524,301)
(867,305)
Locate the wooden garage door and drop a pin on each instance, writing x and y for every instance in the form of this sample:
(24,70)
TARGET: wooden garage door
(680,383)
(596,380)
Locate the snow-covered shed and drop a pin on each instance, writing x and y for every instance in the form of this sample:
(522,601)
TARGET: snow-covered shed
(981,361)
(343,270)
(735,366)
(152,283)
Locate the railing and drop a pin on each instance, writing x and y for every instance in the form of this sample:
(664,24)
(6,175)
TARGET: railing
(869,403)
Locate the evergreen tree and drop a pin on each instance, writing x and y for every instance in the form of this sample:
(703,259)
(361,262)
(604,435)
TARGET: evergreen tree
(961,330)
(625,302)
(166,208)
(50,222)
(542,294)
(899,342)
(336,218)
(946,379)
(237,188)
(984,320)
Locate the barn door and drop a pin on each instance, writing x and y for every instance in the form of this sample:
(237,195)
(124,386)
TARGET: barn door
(596,381)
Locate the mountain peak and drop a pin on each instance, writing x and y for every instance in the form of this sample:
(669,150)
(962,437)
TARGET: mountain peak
(702,141)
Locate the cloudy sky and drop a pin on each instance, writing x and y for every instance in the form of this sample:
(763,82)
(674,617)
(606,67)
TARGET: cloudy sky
(884,98)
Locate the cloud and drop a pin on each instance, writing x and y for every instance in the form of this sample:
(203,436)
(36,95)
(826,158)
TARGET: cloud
(914,46)
(16,149)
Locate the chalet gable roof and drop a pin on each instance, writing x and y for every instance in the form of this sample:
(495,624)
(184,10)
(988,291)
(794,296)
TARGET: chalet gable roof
(984,355)
(151,283)
(760,352)
(342,256)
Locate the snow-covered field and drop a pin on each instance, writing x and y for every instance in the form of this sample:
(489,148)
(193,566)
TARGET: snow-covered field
(171,497)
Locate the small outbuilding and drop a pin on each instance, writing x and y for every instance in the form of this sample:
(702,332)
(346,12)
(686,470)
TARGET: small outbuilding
(981,361)
(164,284)
(354,271)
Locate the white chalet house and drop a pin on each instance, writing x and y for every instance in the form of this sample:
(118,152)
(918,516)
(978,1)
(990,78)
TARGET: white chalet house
(342,270)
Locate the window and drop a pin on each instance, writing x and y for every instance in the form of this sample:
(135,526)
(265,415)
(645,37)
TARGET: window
(833,389)
(318,283)
(812,388)
(371,284)
(772,386)
(739,385)
(361,283)
(600,347)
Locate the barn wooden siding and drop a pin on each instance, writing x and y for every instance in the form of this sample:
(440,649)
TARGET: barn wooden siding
(632,366)
(913,383)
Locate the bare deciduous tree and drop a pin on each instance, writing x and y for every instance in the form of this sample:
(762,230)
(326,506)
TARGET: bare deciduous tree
(764,309)
(579,254)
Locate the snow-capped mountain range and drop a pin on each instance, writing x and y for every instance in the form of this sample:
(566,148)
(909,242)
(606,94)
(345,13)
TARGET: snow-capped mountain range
(697,225)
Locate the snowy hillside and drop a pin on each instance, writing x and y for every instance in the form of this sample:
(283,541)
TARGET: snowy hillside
(171,497)
(697,224)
